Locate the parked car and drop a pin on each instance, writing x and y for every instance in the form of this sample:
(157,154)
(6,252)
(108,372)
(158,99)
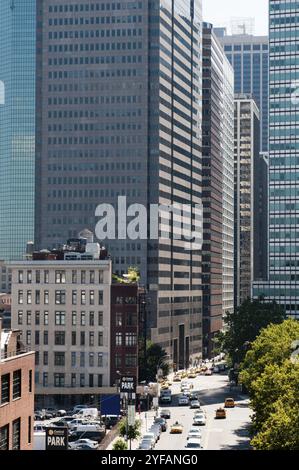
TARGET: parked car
(156,430)
(145,445)
(150,436)
(166,414)
(39,416)
(78,408)
(51,411)
(88,413)
(162,422)
(61,413)
(93,435)
(75,422)
(84,447)
(110,420)
(89,442)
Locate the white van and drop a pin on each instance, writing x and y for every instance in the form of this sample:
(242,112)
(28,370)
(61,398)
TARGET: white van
(88,413)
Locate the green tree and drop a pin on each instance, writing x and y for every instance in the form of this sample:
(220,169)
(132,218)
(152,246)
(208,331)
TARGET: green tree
(155,356)
(281,430)
(120,444)
(132,432)
(244,324)
(273,346)
(272,380)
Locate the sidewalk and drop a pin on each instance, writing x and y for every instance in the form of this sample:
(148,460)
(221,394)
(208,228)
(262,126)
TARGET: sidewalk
(147,419)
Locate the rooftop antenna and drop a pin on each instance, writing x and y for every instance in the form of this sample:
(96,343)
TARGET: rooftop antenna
(243,26)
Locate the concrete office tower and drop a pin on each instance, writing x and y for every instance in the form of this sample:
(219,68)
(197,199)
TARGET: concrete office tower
(283,284)
(17,126)
(228,188)
(119,114)
(249,57)
(218,186)
(249,211)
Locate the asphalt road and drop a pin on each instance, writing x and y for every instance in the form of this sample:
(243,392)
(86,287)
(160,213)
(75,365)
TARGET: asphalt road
(225,434)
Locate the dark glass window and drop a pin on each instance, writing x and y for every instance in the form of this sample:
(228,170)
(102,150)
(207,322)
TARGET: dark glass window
(60,338)
(17,384)
(4,437)
(5,388)
(16,434)
(59,358)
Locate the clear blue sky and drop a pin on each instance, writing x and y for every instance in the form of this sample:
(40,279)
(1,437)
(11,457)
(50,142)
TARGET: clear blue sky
(219,12)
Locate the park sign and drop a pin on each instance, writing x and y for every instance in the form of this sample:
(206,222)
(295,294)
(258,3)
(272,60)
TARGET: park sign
(128,384)
(56,438)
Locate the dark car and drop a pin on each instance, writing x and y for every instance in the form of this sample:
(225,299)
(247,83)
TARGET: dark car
(84,447)
(162,422)
(93,435)
(39,416)
(165,414)
(51,411)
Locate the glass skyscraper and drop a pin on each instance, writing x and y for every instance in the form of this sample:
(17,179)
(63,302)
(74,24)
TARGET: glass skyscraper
(283,284)
(249,57)
(17,125)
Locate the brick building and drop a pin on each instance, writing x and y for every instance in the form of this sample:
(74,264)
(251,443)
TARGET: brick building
(124,331)
(16,392)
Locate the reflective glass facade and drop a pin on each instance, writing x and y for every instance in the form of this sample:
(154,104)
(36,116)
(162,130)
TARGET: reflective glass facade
(249,57)
(17,126)
(283,285)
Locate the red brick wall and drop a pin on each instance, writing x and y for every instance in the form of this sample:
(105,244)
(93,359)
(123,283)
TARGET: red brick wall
(118,290)
(21,407)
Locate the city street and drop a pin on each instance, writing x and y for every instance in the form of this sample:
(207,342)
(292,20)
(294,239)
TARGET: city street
(224,434)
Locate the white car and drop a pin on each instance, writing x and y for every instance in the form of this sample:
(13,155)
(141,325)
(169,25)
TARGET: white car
(199,419)
(75,423)
(149,436)
(73,445)
(194,404)
(183,400)
(194,433)
(193,444)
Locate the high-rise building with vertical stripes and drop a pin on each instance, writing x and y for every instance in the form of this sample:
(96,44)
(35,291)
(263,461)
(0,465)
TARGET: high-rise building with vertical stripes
(218,187)
(283,282)
(249,56)
(119,114)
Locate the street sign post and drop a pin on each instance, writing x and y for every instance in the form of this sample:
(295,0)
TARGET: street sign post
(128,384)
(56,438)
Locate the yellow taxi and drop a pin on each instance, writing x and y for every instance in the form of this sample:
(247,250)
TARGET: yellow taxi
(220,413)
(165,386)
(191,375)
(229,403)
(184,375)
(176,378)
(176,428)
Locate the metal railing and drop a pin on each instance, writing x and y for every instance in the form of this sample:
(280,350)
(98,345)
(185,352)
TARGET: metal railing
(16,352)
